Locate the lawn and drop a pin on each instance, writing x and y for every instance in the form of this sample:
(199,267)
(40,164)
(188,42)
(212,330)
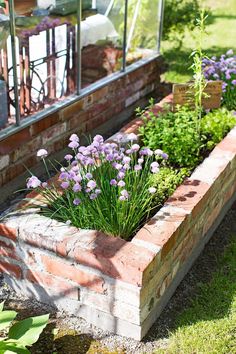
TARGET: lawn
(208,325)
(221,37)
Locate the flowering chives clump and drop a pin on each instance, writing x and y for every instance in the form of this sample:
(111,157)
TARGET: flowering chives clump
(223,68)
(104,186)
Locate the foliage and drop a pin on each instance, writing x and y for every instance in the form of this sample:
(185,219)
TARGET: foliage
(174,133)
(208,324)
(223,68)
(215,125)
(166,181)
(179,15)
(22,334)
(105,187)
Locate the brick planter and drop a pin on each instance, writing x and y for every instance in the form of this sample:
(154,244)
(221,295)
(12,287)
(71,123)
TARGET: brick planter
(117,285)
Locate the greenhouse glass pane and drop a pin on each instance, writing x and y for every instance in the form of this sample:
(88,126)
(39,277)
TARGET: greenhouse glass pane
(7,98)
(45,52)
(101,40)
(142,29)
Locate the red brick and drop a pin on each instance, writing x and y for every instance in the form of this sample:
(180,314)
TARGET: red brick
(61,287)
(10,253)
(45,123)
(114,257)
(54,132)
(6,245)
(8,232)
(10,269)
(64,270)
(72,109)
(228,144)
(14,141)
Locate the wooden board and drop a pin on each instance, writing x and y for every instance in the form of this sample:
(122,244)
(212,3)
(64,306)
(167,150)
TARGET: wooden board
(183,94)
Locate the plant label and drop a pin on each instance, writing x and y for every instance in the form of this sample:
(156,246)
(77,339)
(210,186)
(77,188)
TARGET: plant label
(183,95)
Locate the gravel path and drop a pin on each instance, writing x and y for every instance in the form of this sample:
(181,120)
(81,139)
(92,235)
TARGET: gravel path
(158,335)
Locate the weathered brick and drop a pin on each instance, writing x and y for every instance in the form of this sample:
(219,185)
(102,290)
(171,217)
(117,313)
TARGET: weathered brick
(4,161)
(14,141)
(8,232)
(61,287)
(45,123)
(67,271)
(10,269)
(54,132)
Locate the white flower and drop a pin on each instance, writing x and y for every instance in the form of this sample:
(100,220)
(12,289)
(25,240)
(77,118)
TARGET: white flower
(132,137)
(42,153)
(152,190)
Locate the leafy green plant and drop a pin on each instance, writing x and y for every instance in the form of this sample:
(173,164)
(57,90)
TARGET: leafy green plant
(175,133)
(215,125)
(22,334)
(166,182)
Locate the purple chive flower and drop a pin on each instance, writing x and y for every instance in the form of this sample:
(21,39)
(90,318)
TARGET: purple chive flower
(129,151)
(118,166)
(91,184)
(88,175)
(74,137)
(93,196)
(152,190)
(64,175)
(121,183)
(234,82)
(68,157)
(124,195)
(65,185)
(98,138)
(33,182)
(119,138)
(121,175)
(76,201)
(146,152)
(230,52)
(44,185)
(154,167)
(113,182)
(126,160)
(140,161)
(137,167)
(132,137)
(165,156)
(158,152)
(78,178)
(98,191)
(77,188)
(73,144)
(42,153)
(135,147)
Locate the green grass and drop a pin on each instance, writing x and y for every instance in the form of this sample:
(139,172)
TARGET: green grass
(221,37)
(209,325)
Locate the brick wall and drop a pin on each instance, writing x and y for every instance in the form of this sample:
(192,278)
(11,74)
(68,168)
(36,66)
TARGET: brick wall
(117,285)
(105,109)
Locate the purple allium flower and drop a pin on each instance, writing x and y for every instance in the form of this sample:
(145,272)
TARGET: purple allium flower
(33,182)
(121,183)
(110,157)
(230,52)
(135,147)
(64,175)
(42,153)
(91,184)
(98,138)
(89,175)
(76,201)
(118,166)
(140,161)
(74,137)
(44,185)
(234,82)
(152,190)
(73,145)
(77,178)
(165,156)
(154,167)
(124,195)
(121,175)
(122,198)
(77,188)
(93,196)
(75,168)
(113,182)
(71,175)
(68,157)
(129,151)
(65,185)
(126,159)
(119,138)
(98,191)
(132,137)
(158,152)
(137,167)
(146,152)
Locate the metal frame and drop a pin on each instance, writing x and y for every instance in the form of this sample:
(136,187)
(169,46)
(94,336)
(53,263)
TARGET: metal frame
(80,93)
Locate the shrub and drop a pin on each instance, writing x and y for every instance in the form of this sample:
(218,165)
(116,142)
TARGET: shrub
(223,68)
(215,125)
(22,334)
(174,133)
(104,186)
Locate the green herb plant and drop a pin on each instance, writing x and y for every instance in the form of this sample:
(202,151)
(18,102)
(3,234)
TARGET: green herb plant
(21,334)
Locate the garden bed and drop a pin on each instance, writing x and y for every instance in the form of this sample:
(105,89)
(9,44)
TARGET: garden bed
(117,285)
